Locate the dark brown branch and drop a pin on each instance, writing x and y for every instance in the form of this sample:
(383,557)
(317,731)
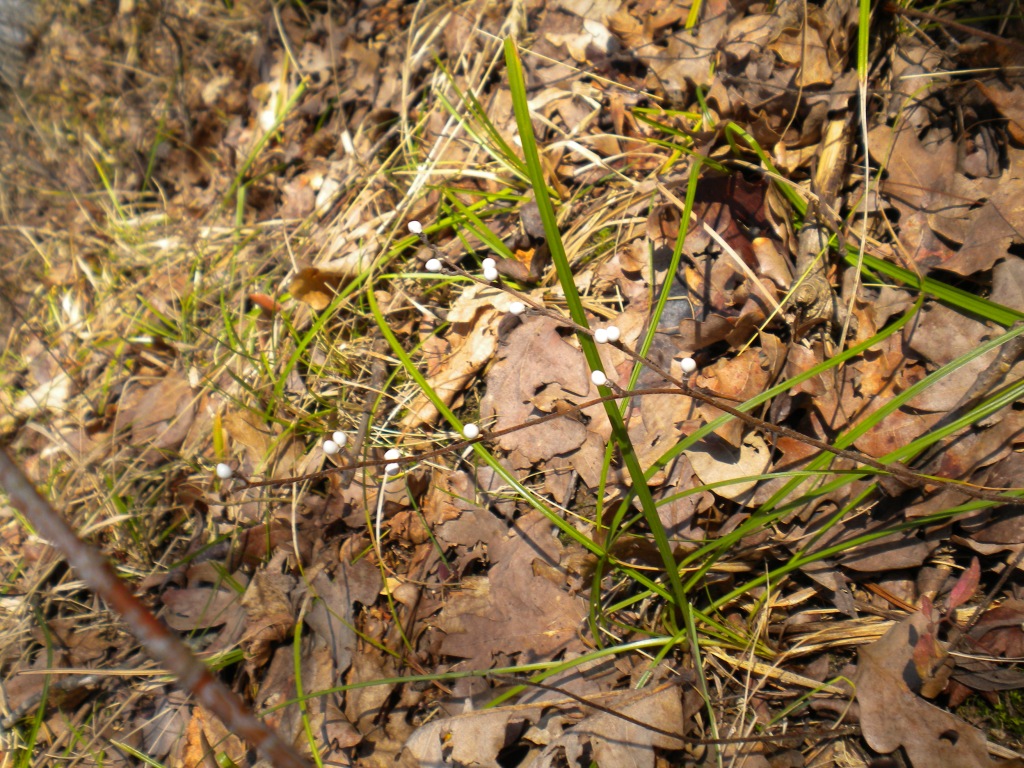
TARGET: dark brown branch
(794,735)
(162,644)
(895,469)
(911,13)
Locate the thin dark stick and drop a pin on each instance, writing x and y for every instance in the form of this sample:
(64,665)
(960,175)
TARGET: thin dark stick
(896,469)
(162,644)
(794,735)
(967,30)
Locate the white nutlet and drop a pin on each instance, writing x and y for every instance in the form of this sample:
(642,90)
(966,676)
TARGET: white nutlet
(471,431)
(488,264)
(613,332)
(391,469)
(517,307)
(392,454)
(490,275)
(340,438)
(415,227)
(331,447)
(224,472)
(601,336)
(688,364)
(599,378)
(433,265)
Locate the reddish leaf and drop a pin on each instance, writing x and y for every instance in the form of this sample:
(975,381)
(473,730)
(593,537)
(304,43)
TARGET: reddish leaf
(264,302)
(927,655)
(926,607)
(965,586)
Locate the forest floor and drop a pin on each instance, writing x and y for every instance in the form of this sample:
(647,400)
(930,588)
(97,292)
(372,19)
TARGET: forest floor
(712,463)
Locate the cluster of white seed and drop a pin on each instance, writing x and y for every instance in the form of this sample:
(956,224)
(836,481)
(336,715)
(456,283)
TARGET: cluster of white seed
(607,335)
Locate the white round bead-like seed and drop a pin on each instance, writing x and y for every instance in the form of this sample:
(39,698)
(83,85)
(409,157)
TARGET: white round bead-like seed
(601,336)
(433,265)
(613,333)
(490,275)
(224,472)
(331,447)
(391,469)
(599,378)
(392,454)
(488,264)
(340,438)
(517,307)
(415,227)
(688,364)
(471,431)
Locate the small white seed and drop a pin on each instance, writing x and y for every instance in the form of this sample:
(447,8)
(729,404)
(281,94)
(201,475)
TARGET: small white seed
(517,307)
(471,431)
(415,227)
(224,472)
(613,333)
(392,454)
(490,275)
(688,364)
(488,264)
(601,336)
(340,438)
(391,469)
(599,378)
(433,265)
(331,447)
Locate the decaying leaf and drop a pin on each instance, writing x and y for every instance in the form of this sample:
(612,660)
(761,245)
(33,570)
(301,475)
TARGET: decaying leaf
(269,612)
(715,462)
(468,345)
(536,372)
(893,715)
(514,602)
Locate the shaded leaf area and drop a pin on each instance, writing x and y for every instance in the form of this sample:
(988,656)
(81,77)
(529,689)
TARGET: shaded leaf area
(205,239)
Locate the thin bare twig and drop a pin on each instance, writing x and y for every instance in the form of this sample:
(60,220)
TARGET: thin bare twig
(679,387)
(162,644)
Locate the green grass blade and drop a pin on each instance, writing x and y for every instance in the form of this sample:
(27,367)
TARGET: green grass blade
(517,85)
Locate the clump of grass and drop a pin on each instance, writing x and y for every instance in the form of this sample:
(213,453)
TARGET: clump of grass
(701,604)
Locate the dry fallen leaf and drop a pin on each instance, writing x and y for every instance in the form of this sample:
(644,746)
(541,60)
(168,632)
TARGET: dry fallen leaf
(202,733)
(270,615)
(332,615)
(892,715)
(715,462)
(469,344)
(474,738)
(317,287)
(536,373)
(200,608)
(163,417)
(610,740)
(513,610)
